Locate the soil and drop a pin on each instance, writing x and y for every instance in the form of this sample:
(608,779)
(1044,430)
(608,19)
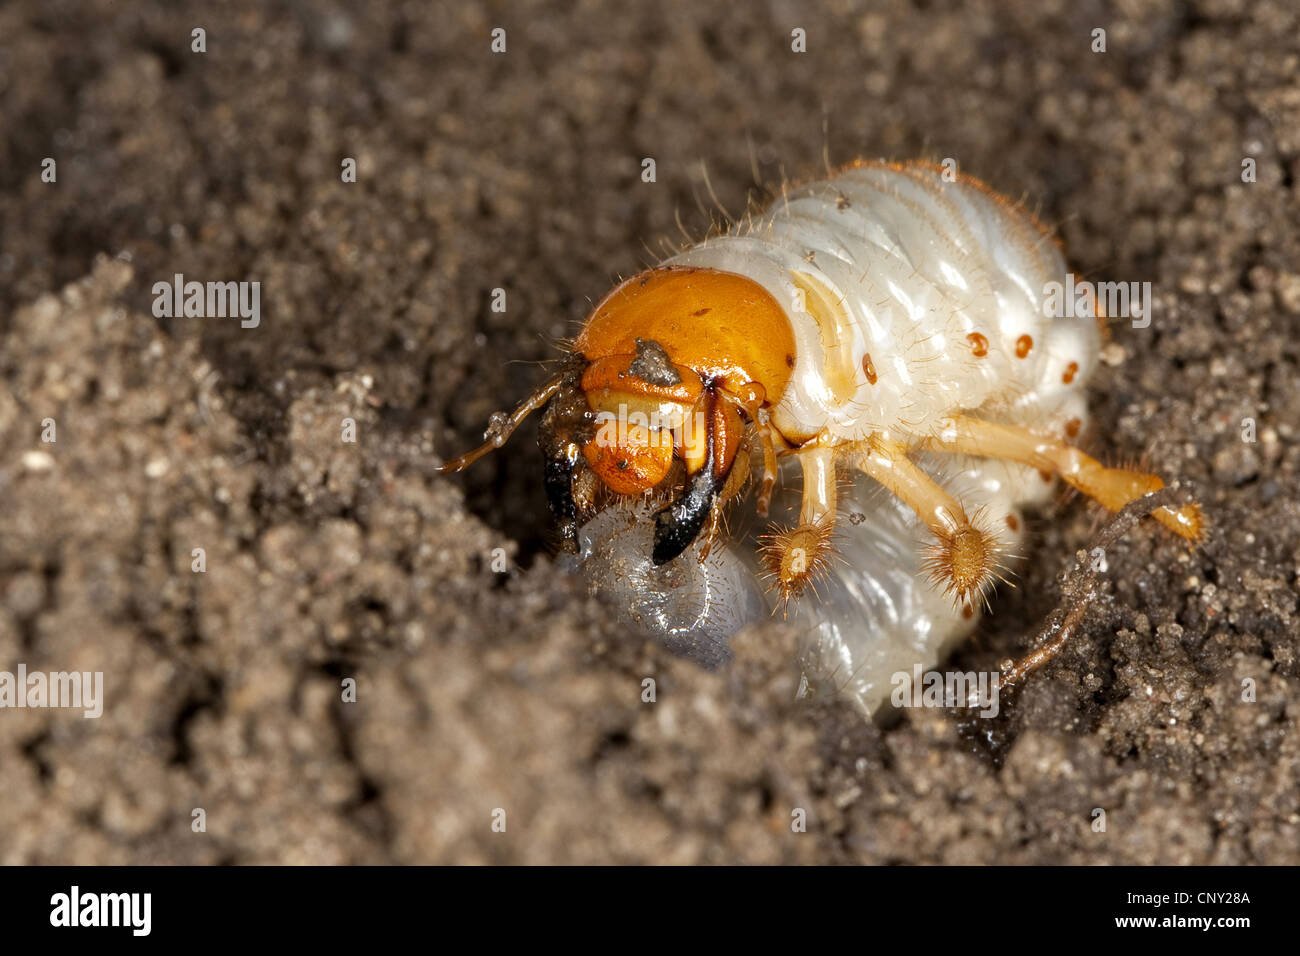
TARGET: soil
(483,695)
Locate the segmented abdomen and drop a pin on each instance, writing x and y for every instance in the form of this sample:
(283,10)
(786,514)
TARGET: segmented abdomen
(912,298)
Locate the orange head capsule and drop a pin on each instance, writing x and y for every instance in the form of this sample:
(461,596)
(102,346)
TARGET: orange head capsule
(669,365)
(687,351)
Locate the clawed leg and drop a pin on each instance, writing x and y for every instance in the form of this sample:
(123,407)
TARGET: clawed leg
(1112,487)
(965,557)
(763,423)
(793,557)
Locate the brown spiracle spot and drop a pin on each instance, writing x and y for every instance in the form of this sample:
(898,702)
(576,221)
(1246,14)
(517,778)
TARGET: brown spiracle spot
(967,611)
(979,345)
(1071,370)
(1072,427)
(1023,345)
(1012,523)
(869,368)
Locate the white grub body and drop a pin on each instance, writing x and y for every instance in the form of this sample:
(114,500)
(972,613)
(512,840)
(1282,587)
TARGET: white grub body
(929,274)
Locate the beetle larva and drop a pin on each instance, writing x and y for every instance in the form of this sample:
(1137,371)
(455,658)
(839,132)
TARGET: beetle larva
(886,323)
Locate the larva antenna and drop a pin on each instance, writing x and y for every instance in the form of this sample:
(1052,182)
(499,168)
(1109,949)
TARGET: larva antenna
(501,427)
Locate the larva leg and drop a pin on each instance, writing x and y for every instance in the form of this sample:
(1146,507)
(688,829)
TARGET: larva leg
(737,478)
(966,556)
(711,532)
(793,557)
(1112,487)
(765,430)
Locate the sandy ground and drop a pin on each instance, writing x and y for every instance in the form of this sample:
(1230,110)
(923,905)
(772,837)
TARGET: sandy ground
(479,691)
